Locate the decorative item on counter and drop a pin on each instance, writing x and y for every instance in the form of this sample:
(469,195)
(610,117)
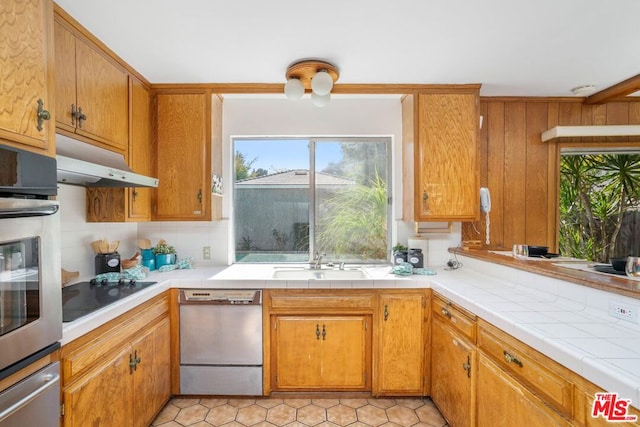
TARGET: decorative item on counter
(144,244)
(165,254)
(148,259)
(131,262)
(415,258)
(183,264)
(407,269)
(399,254)
(68,276)
(104,246)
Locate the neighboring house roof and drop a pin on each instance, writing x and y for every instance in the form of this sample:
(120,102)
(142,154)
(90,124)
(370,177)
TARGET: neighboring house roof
(292,179)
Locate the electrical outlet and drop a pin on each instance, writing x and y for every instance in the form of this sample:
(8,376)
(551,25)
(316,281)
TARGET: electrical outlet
(206,252)
(624,311)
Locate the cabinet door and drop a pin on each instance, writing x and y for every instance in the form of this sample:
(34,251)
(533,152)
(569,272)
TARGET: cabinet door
(65,47)
(102,396)
(446,157)
(401,341)
(452,375)
(502,401)
(26,72)
(152,382)
(140,150)
(328,353)
(102,93)
(183,157)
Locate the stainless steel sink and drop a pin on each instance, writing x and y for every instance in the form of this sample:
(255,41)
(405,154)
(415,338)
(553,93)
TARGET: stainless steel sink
(322,274)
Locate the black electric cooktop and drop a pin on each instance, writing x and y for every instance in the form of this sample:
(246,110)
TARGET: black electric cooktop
(83,298)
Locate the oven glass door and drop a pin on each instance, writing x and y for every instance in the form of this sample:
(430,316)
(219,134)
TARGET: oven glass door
(30,290)
(19,283)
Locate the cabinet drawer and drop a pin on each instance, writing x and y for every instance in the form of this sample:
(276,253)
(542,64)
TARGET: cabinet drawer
(456,317)
(543,376)
(333,300)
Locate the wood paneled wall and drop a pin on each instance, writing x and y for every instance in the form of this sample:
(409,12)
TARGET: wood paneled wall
(521,171)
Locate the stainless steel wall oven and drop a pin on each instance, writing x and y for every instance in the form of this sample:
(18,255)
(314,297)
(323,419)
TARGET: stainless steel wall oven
(30,289)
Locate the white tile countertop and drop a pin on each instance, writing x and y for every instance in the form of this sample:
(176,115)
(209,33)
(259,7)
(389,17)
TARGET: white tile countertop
(566,321)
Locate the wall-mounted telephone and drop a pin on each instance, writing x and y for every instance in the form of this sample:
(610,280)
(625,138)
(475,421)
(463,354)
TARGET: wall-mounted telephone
(485,200)
(485,206)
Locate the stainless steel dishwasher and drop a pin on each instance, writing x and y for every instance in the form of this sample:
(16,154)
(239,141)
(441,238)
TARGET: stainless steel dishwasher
(221,342)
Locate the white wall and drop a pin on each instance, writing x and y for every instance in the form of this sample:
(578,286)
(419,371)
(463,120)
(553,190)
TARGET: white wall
(249,117)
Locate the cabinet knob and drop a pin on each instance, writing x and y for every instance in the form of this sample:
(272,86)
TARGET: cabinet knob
(467,366)
(425,196)
(81,116)
(386,312)
(42,115)
(445,312)
(317,331)
(324,333)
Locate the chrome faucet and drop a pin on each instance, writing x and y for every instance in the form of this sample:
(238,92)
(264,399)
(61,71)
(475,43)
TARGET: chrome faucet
(317,260)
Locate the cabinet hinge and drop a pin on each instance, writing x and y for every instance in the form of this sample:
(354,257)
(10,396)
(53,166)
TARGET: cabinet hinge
(62,409)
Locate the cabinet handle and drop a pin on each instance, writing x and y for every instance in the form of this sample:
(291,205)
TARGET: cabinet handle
(509,358)
(324,333)
(42,114)
(80,116)
(134,195)
(132,364)
(386,312)
(445,312)
(467,366)
(74,113)
(199,196)
(425,196)
(317,331)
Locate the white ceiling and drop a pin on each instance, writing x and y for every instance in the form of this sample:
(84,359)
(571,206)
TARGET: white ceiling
(512,47)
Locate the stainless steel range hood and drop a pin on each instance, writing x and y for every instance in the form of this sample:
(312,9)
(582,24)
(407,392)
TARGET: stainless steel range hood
(89,166)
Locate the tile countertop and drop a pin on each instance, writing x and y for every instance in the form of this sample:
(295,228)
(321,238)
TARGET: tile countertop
(566,321)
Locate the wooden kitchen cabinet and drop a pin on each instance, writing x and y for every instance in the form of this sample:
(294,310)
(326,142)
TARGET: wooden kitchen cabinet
(402,331)
(321,353)
(441,151)
(26,73)
(129,204)
(119,374)
(183,156)
(453,362)
(503,401)
(91,89)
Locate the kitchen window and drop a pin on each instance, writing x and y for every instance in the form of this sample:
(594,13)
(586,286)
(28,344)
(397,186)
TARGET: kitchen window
(295,197)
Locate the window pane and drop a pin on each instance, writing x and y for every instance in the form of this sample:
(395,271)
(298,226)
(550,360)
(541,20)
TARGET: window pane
(271,200)
(351,200)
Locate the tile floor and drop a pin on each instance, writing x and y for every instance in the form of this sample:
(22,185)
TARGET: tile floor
(299,412)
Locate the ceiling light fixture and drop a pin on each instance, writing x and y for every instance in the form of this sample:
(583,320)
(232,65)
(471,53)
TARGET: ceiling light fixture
(583,90)
(317,76)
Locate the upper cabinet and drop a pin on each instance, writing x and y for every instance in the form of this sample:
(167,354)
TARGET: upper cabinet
(183,156)
(26,73)
(91,90)
(441,155)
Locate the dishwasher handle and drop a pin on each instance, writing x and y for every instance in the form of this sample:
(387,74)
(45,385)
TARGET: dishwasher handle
(48,380)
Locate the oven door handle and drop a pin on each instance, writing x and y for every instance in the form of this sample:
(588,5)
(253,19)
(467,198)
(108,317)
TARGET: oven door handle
(28,212)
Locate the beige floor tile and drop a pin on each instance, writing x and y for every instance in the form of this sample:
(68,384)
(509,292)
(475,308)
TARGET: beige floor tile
(311,415)
(341,415)
(354,403)
(430,415)
(251,415)
(192,414)
(221,415)
(212,403)
(297,403)
(281,415)
(402,415)
(184,403)
(410,403)
(325,403)
(372,415)
(382,403)
(170,424)
(269,403)
(241,403)
(167,414)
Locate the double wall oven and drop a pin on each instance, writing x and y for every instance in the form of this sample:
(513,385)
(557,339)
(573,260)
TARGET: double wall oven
(30,289)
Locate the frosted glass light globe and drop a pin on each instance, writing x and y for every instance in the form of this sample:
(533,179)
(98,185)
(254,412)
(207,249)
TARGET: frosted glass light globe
(320,100)
(293,89)
(321,83)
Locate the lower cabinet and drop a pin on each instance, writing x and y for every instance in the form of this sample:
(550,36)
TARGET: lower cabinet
(402,325)
(119,374)
(452,374)
(323,352)
(503,401)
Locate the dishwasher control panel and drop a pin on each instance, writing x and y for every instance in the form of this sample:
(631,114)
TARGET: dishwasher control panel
(221,296)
